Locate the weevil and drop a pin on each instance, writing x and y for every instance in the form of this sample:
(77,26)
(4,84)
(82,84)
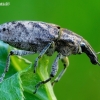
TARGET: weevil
(44,38)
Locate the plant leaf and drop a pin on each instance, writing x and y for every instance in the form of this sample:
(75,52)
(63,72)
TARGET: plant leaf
(11,88)
(20,81)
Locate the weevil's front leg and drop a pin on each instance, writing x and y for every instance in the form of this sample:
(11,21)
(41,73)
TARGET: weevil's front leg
(13,52)
(65,61)
(53,73)
(41,54)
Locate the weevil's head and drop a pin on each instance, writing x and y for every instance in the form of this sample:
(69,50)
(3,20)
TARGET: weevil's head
(86,48)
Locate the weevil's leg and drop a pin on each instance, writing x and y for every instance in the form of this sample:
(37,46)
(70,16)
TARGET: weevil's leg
(55,66)
(41,54)
(40,83)
(6,68)
(65,61)
(13,52)
(19,53)
(53,73)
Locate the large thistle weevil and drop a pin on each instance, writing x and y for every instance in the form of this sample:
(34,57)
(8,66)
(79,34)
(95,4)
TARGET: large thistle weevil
(45,38)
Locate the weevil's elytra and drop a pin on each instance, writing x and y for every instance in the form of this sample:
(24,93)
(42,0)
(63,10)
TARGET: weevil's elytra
(44,38)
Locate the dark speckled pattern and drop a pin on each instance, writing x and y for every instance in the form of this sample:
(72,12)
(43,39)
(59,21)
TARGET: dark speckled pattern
(28,35)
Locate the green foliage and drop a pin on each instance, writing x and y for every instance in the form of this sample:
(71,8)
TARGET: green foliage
(82,79)
(20,81)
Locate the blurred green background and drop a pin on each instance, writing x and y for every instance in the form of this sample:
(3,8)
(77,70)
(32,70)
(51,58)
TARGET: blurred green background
(82,79)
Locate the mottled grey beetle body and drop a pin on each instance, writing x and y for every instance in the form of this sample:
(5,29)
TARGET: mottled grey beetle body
(33,36)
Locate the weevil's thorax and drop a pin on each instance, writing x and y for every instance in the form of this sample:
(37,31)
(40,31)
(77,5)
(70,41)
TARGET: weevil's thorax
(65,49)
(68,43)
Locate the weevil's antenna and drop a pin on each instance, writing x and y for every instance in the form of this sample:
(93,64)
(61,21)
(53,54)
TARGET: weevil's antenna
(98,53)
(97,61)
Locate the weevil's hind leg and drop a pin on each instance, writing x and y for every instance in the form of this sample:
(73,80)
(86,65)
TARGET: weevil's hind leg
(13,52)
(65,61)
(53,73)
(6,68)
(40,83)
(41,54)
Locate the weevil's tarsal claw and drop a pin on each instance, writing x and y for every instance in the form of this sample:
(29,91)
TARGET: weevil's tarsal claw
(36,87)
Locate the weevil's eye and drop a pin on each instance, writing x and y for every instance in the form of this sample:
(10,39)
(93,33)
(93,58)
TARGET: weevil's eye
(58,27)
(83,47)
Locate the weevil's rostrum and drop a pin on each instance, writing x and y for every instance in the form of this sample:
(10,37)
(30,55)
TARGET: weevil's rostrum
(44,38)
